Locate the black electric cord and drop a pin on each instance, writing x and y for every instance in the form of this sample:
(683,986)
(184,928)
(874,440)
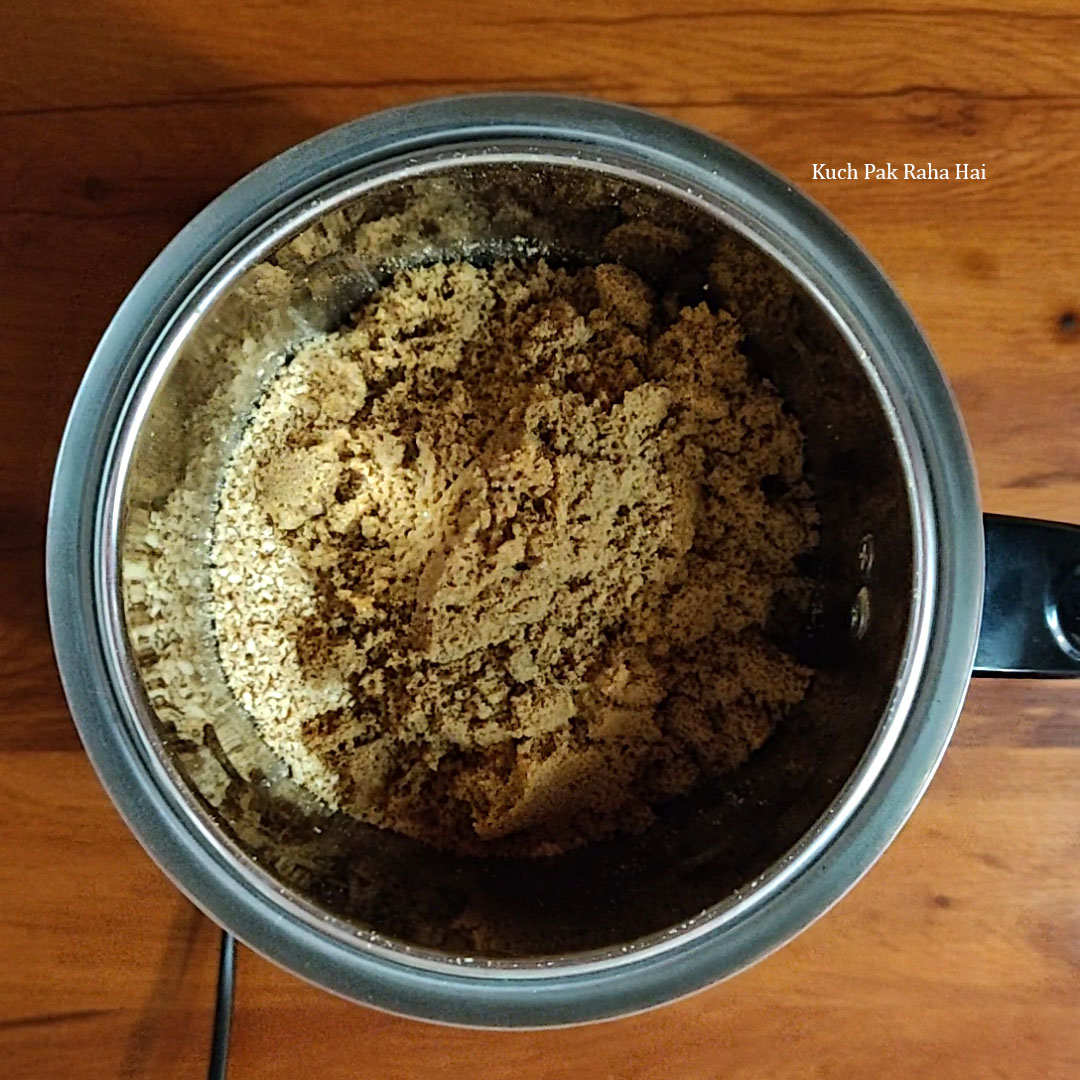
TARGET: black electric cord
(226,982)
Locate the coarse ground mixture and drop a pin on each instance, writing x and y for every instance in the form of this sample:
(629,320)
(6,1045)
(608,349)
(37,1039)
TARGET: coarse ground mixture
(492,564)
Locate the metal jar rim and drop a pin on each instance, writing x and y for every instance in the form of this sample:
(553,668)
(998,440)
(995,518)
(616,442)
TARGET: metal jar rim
(865,816)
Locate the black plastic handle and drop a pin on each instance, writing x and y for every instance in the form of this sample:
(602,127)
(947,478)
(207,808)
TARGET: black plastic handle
(1031,612)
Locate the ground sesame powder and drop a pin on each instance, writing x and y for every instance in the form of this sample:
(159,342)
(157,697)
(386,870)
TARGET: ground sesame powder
(492,563)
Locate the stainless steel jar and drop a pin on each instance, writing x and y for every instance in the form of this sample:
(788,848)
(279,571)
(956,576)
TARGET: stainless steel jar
(724,877)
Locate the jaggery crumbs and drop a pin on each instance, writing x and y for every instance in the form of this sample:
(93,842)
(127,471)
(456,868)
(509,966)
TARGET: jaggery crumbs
(493,563)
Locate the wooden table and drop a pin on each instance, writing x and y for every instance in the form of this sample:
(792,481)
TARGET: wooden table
(959,955)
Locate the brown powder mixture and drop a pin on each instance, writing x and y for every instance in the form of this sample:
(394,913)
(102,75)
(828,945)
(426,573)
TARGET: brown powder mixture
(493,563)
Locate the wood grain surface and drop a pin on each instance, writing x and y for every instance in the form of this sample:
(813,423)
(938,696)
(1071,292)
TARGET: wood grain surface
(959,955)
